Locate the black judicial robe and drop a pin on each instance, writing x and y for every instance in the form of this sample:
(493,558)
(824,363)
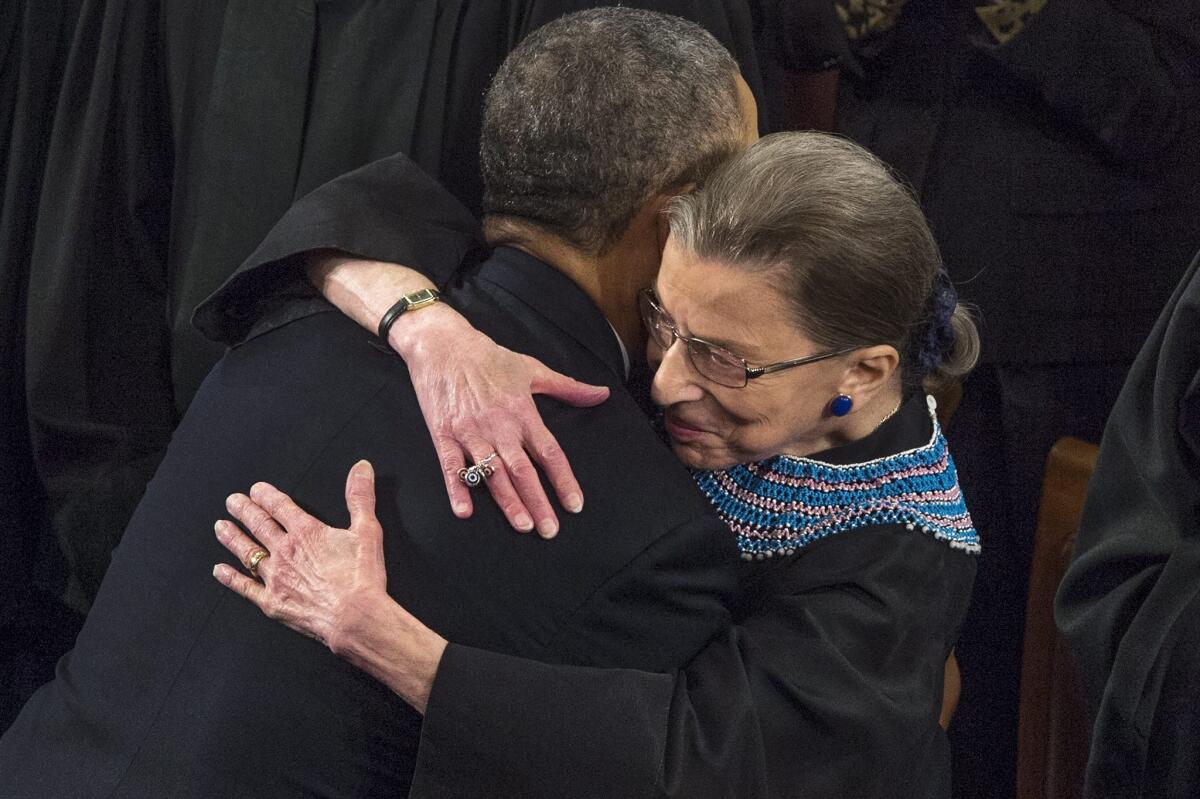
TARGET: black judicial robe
(185,129)
(827,684)
(35,627)
(1130,602)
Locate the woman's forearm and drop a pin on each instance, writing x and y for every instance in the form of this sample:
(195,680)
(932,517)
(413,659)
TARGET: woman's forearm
(364,290)
(390,644)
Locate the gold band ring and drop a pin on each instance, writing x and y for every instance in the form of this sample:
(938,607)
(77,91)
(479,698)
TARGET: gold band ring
(256,557)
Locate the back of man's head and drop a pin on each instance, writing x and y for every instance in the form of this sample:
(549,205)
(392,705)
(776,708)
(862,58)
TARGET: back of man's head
(597,112)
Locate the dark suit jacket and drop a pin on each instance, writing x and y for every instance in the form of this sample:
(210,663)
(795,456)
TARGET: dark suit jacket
(177,687)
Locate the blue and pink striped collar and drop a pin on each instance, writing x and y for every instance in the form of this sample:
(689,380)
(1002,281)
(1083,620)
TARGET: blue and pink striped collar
(782,504)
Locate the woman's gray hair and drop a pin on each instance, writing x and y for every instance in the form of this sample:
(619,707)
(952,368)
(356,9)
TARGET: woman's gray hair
(596,112)
(848,243)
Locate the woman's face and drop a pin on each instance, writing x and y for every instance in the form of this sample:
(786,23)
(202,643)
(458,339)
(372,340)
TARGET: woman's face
(713,426)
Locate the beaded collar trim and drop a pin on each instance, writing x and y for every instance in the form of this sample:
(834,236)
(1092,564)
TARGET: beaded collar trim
(782,504)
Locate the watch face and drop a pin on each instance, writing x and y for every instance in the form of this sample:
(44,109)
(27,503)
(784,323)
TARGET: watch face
(419,299)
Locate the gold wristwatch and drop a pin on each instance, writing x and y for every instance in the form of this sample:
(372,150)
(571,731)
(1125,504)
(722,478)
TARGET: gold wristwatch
(409,302)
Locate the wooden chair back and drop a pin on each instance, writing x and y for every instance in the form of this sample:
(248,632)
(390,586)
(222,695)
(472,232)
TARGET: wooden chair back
(1053,731)
(951,691)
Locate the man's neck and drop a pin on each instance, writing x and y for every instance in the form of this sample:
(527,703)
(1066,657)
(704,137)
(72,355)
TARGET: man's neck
(611,280)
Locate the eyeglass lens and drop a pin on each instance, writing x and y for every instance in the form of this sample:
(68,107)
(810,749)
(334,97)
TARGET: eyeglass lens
(712,362)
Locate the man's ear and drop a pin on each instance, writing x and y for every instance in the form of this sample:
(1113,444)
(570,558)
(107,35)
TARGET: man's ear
(663,231)
(870,370)
(664,226)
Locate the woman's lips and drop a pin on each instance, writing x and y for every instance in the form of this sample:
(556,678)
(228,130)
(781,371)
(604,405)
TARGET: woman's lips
(681,430)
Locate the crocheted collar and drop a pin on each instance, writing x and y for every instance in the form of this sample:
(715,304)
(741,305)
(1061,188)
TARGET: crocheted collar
(782,504)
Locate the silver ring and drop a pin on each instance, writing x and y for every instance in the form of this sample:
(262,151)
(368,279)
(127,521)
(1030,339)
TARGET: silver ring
(475,476)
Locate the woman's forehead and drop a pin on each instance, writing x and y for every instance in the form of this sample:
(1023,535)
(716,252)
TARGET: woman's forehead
(690,285)
(719,302)
(711,286)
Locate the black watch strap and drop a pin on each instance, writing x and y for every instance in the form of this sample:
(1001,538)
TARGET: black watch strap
(409,302)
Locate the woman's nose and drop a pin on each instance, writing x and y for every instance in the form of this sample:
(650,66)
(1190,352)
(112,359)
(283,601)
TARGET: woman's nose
(675,380)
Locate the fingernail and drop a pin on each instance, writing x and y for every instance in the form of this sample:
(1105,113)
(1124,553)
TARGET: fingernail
(523,523)
(219,573)
(574,503)
(460,510)
(547,528)
(365,465)
(220,528)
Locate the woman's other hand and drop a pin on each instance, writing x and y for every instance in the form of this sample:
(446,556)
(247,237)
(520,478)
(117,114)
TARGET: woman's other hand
(477,397)
(330,584)
(316,579)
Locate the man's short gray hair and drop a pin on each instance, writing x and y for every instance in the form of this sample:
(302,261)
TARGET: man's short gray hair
(596,112)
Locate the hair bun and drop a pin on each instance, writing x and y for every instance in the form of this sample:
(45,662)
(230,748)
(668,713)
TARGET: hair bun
(938,338)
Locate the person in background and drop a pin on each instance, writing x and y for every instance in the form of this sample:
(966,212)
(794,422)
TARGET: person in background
(1130,602)
(1054,145)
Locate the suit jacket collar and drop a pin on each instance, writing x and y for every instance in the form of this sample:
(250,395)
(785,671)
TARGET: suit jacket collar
(557,298)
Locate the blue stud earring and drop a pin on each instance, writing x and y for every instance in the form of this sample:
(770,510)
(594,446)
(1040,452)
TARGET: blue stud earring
(841,405)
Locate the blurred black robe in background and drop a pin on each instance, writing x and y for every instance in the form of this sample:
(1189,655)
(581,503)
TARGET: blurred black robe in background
(1130,602)
(35,626)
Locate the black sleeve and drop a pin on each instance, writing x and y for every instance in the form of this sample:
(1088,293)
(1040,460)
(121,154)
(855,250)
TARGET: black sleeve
(1126,77)
(830,687)
(388,210)
(658,611)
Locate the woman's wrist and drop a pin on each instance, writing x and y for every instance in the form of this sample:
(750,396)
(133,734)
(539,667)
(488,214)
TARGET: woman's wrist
(394,647)
(364,290)
(436,322)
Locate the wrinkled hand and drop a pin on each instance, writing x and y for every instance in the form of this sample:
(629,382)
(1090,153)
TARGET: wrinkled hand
(319,580)
(476,397)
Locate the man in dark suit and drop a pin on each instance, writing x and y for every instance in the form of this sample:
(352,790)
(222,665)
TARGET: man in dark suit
(178,688)
(185,129)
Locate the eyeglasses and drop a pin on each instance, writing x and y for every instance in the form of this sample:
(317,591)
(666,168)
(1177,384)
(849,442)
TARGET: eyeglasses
(715,363)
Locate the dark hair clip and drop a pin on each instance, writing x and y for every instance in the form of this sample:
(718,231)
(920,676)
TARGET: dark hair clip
(939,332)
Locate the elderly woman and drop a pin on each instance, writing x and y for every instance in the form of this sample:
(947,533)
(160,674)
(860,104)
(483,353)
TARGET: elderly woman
(799,317)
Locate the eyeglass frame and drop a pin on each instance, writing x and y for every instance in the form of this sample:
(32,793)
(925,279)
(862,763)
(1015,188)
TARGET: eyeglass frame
(751,372)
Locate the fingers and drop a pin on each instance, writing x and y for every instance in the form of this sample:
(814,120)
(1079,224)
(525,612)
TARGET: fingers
(240,545)
(254,518)
(524,478)
(553,460)
(360,494)
(450,456)
(282,509)
(501,487)
(231,578)
(565,389)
